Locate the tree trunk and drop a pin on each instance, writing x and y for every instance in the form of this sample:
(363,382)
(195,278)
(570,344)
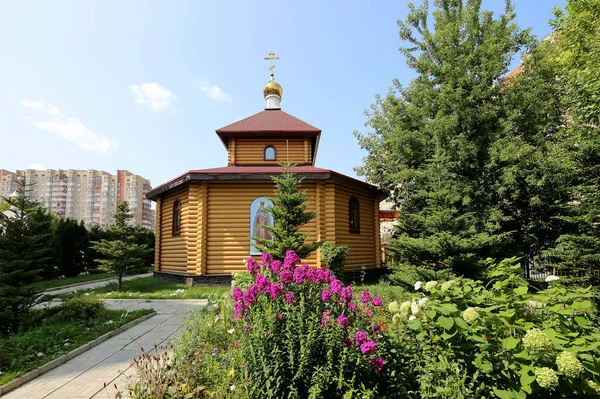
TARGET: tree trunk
(120,282)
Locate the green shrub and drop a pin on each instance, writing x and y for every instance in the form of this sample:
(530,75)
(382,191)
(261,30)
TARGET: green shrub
(335,258)
(81,309)
(406,275)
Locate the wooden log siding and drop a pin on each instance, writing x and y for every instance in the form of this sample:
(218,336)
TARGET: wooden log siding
(363,249)
(173,249)
(250,151)
(228,222)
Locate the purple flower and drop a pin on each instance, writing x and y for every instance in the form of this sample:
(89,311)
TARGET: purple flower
(286,276)
(237,315)
(343,321)
(289,297)
(247,328)
(376,327)
(239,306)
(266,260)
(223,361)
(275,291)
(251,295)
(300,274)
(365,297)
(377,301)
(367,312)
(326,318)
(263,283)
(352,307)
(291,259)
(377,362)
(214,352)
(252,266)
(360,337)
(347,342)
(335,285)
(279,317)
(346,294)
(276,266)
(368,347)
(237,293)
(326,296)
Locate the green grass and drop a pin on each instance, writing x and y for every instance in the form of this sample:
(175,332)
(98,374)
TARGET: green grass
(149,288)
(54,335)
(388,293)
(59,282)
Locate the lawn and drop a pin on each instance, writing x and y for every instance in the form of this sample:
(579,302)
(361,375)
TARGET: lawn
(60,282)
(389,293)
(149,288)
(50,333)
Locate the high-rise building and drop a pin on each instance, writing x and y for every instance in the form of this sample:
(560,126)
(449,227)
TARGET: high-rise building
(88,195)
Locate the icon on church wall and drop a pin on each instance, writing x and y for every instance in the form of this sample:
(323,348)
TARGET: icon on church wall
(259,218)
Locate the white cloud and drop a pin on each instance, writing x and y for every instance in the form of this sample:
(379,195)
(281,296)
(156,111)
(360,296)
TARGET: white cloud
(36,166)
(68,128)
(73,130)
(156,96)
(213,92)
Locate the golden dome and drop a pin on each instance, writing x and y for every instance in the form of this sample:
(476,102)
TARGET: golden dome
(272,87)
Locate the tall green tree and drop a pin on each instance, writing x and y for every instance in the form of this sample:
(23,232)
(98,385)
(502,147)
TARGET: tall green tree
(24,251)
(289,214)
(577,57)
(71,243)
(121,255)
(429,142)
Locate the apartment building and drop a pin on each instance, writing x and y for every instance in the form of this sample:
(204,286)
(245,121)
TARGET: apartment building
(88,195)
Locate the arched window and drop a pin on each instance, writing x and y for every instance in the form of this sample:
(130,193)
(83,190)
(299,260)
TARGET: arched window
(176,217)
(353,216)
(270,153)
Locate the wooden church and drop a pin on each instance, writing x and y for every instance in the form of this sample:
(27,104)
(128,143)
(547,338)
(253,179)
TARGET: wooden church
(206,219)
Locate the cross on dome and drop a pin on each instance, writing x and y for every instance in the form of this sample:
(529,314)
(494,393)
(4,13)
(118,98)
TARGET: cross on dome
(272,90)
(271,58)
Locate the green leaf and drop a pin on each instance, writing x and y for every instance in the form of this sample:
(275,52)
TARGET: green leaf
(446,322)
(460,322)
(448,308)
(431,313)
(510,343)
(522,355)
(522,290)
(445,335)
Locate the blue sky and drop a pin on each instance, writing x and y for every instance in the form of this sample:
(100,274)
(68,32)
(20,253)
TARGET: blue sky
(143,85)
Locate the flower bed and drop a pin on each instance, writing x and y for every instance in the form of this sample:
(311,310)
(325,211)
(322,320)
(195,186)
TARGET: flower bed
(289,331)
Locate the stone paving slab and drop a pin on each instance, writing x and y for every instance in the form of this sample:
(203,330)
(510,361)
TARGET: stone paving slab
(92,284)
(84,376)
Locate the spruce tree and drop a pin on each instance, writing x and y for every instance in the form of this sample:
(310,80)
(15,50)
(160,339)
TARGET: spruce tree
(447,117)
(120,254)
(289,214)
(24,251)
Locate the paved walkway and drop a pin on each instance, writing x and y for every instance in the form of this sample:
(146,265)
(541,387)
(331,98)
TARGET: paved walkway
(84,376)
(92,284)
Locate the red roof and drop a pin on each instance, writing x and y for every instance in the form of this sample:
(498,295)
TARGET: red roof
(271,120)
(253,173)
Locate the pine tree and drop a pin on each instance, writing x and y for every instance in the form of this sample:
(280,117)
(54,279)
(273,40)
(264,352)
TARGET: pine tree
(289,214)
(447,117)
(24,251)
(121,255)
(71,242)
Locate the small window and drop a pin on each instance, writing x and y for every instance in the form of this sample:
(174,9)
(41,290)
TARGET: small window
(354,215)
(176,217)
(270,153)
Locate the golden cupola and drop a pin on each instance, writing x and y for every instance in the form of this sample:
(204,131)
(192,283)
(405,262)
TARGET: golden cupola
(272,90)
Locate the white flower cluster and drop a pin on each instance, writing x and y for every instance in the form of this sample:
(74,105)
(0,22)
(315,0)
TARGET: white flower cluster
(536,342)
(470,315)
(430,285)
(568,364)
(546,377)
(447,284)
(552,278)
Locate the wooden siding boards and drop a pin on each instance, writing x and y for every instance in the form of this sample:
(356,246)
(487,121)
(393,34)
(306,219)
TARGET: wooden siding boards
(363,249)
(173,256)
(250,151)
(158,229)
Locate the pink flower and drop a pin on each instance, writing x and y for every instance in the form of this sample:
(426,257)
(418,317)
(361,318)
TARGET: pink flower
(346,294)
(343,321)
(300,274)
(335,285)
(275,291)
(252,266)
(326,318)
(375,328)
(352,307)
(365,297)
(276,266)
(237,315)
(347,342)
(266,260)
(237,293)
(360,337)
(326,296)
(291,259)
(377,362)
(377,301)
(263,283)
(286,276)
(368,347)
(289,297)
